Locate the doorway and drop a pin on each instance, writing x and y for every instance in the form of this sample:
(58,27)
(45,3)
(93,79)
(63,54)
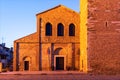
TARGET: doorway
(26,65)
(59,63)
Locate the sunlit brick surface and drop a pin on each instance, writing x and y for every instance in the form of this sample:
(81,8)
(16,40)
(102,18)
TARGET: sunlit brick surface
(40,51)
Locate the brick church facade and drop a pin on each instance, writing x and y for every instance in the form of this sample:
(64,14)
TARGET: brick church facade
(67,40)
(55,45)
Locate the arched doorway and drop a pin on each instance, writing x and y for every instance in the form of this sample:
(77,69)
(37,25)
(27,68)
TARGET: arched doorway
(26,63)
(60,59)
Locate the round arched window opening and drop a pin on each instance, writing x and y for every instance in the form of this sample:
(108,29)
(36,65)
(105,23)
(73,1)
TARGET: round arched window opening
(71,29)
(60,29)
(48,31)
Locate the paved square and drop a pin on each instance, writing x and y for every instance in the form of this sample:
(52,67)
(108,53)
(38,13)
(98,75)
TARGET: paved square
(57,77)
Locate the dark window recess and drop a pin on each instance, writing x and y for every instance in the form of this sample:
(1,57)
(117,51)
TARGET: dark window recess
(48,29)
(3,57)
(71,30)
(60,29)
(3,65)
(106,24)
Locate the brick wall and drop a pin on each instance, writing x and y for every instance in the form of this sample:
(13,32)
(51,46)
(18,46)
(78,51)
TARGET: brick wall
(104,36)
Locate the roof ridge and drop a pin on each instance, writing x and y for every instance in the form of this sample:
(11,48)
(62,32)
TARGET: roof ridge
(60,5)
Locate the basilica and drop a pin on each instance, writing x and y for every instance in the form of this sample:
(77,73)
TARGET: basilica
(55,44)
(88,41)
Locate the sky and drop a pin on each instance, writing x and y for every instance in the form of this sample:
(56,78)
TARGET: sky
(18,17)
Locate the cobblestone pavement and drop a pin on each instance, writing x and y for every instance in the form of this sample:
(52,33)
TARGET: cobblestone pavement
(57,77)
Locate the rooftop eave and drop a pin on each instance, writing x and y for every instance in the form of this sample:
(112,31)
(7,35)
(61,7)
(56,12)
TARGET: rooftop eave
(55,8)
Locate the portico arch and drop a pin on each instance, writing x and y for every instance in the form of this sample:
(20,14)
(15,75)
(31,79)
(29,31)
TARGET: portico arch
(60,59)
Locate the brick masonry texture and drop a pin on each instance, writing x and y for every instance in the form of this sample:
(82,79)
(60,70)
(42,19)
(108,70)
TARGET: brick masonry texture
(104,36)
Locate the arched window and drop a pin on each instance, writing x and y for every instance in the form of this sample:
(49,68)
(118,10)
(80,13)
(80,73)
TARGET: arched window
(48,29)
(71,30)
(60,29)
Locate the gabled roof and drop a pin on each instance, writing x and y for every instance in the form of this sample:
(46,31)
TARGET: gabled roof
(55,8)
(29,38)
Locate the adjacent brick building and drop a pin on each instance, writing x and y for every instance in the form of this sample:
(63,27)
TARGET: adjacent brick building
(55,45)
(104,35)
